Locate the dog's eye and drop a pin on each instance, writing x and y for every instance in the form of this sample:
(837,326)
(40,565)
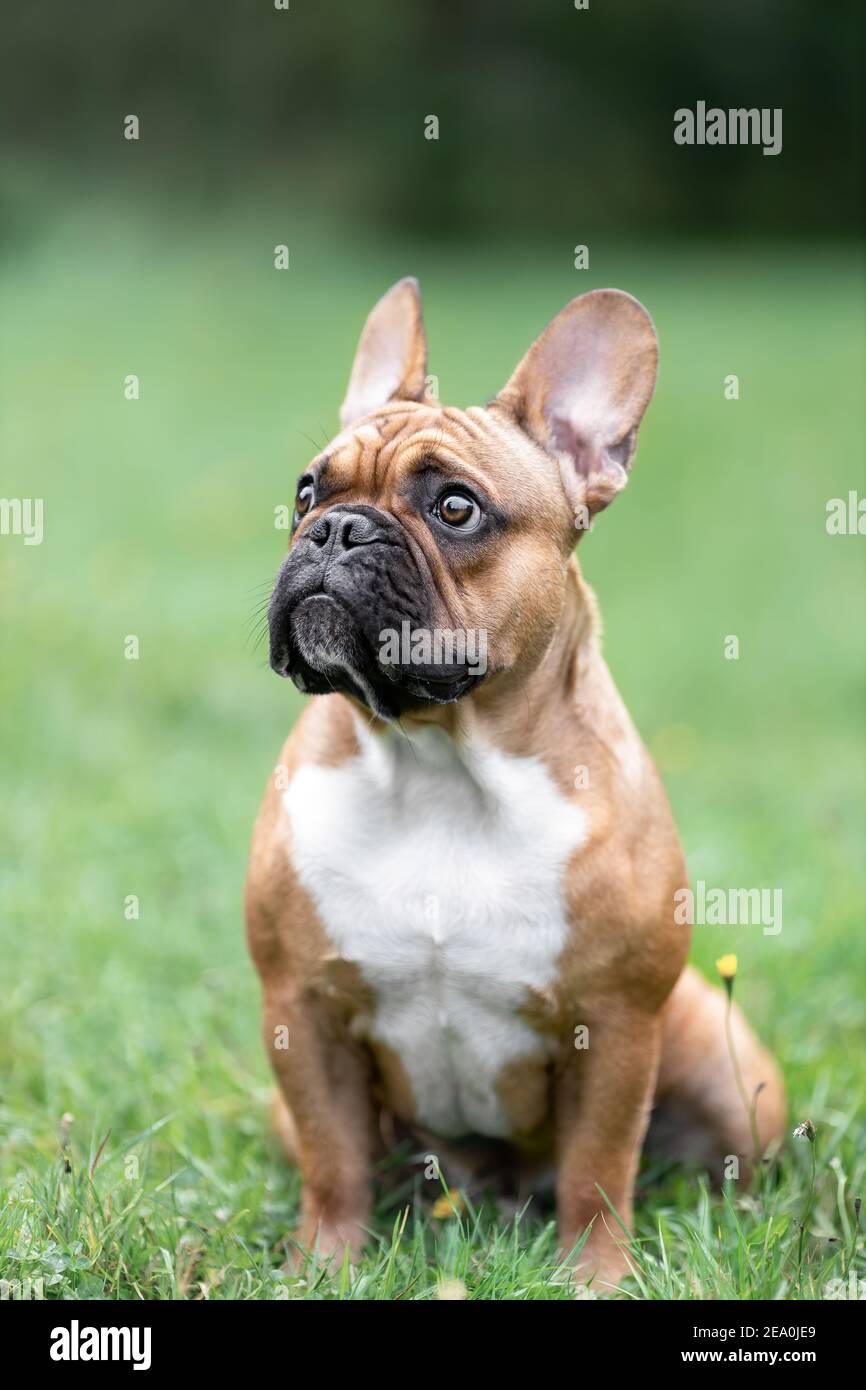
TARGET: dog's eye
(304,500)
(458,511)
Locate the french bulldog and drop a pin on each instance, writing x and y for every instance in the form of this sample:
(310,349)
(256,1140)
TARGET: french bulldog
(461,889)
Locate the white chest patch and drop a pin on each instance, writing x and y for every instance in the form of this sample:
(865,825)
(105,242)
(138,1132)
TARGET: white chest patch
(440,875)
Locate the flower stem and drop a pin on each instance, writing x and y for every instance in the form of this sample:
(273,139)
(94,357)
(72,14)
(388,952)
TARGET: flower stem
(807,1211)
(750,1108)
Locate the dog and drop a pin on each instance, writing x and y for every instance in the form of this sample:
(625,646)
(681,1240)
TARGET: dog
(461,889)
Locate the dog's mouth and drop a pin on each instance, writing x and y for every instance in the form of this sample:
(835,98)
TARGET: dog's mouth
(323,649)
(326,650)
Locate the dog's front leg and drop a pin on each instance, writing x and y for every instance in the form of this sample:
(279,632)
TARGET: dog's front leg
(603,1100)
(325,1082)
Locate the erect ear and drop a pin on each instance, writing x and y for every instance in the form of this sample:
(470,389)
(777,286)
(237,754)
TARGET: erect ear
(581,391)
(391,359)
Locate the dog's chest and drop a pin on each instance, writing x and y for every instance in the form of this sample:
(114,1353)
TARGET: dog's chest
(440,877)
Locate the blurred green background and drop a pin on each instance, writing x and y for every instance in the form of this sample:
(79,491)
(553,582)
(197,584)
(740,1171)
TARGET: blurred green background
(156,258)
(553,121)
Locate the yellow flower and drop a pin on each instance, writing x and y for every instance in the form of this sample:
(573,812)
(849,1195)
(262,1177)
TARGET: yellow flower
(727,967)
(449,1204)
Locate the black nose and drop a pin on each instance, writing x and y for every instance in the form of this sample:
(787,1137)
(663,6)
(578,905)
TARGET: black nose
(345,530)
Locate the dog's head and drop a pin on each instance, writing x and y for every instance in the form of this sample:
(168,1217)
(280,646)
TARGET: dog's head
(430,544)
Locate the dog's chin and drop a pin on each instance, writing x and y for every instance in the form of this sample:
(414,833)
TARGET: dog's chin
(328,654)
(410,691)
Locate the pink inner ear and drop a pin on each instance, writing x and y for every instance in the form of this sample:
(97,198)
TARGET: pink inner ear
(566,440)
(623,452)
(590,455)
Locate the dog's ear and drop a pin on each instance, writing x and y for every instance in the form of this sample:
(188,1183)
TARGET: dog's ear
(391,359)
(581,391)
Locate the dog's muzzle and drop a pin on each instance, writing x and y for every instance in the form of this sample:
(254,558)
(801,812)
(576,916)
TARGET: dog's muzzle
(350,581)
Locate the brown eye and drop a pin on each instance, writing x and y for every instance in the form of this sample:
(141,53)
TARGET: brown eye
(304,499)
(459,511)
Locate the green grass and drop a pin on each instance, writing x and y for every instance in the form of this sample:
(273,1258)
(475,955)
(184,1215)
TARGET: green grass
(143,777)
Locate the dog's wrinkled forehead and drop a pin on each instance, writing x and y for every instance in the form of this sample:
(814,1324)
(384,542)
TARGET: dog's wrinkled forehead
(375,460)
